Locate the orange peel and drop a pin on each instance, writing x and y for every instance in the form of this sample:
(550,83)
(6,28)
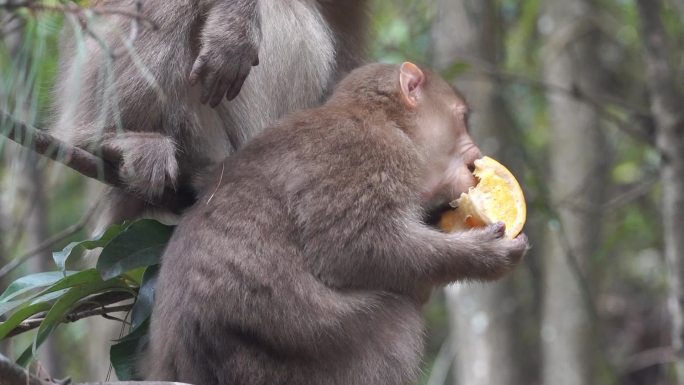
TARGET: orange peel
(497,197)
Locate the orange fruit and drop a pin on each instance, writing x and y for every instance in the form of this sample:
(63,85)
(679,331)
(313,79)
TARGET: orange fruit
(497,197)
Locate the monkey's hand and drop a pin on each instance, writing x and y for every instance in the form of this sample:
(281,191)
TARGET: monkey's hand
(225,59)
(496,255)
(147,161)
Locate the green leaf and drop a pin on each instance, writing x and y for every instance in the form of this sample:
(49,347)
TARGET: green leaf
(26,356)
(142,309)
(6,307)
(66,302)
(61,257)
(124,355)
(19,316)
(140,245)
(75,279)
(66,291)
(30,282)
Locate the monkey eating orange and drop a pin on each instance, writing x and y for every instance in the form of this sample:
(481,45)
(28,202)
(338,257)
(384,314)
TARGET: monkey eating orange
(497,197)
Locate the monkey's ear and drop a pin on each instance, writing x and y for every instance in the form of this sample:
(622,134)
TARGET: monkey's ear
(411,80)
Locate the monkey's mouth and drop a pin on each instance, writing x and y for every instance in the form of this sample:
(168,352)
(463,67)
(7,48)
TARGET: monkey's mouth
(434,213)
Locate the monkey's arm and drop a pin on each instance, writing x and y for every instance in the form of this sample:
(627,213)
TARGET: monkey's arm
(229,48)
(398,253)
(481,254)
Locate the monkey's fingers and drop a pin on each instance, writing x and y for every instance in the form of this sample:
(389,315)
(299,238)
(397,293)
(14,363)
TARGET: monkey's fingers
(518,247)
(221,83)
(213,90)
(197,69)
(239,81)
(498,229)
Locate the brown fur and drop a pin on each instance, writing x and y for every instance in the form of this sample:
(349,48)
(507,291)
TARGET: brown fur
(176,104)
(307,261)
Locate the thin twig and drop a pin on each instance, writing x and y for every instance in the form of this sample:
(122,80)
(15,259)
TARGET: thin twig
(98,305)
(647,358)
(53,240)
(574,92)
(633,193)
(77,10)
(33,323)
(643,132)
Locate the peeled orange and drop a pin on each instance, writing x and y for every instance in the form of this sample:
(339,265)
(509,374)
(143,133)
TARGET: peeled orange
(497,197)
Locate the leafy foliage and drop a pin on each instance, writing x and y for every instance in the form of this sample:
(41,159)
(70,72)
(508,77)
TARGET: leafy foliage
(627,277)
(128,263)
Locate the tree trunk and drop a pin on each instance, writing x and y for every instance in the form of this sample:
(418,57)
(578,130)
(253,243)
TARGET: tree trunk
(481,315)
(36,233)
(29,182)
(578,158)
(680,7)
(666,106)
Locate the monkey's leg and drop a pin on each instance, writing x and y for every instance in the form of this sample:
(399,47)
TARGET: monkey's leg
(311,320)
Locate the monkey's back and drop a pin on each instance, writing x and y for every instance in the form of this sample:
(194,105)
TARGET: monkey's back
(238,301)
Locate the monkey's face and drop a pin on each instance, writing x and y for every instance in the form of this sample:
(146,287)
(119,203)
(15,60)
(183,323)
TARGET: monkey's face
(441,136)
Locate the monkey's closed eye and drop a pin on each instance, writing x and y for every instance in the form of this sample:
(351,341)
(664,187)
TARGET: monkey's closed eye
(467,116)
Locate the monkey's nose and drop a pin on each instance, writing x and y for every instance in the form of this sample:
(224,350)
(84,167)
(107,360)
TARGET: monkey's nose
(472,155)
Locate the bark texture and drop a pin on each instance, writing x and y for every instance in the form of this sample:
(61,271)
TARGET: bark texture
(36,232)
(27,178)
(666,105)
(481,315)
(578,159)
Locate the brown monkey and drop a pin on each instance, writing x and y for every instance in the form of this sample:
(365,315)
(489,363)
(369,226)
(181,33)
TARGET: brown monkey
(148,105)
(307,260)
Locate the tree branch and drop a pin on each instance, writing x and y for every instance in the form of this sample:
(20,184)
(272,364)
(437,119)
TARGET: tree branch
(47,145)
(75,9)
(33,323)
(86,163)
(95,306)
(647,358)
(13,374)
(638,125)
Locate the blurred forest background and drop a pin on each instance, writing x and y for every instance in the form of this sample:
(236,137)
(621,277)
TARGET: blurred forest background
(582,99)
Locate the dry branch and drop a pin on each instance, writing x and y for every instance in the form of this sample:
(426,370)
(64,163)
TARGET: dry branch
(47,145)
(13,374)
(84,162)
